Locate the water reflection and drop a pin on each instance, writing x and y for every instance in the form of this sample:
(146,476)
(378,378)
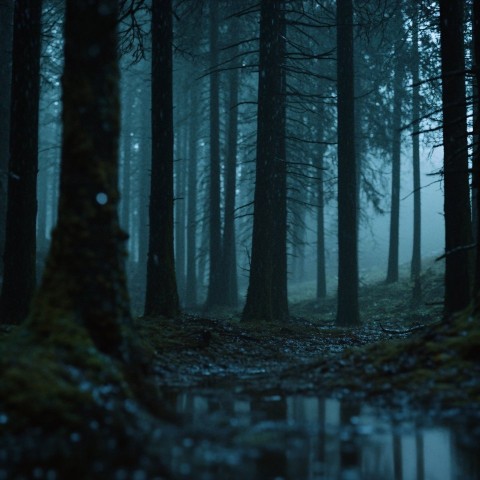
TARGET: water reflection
(299,437)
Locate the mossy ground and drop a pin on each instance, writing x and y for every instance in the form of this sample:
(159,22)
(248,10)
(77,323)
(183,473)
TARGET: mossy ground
(66,408)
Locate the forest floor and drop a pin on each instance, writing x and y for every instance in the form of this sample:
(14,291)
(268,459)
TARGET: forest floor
(401,359)
(401,354)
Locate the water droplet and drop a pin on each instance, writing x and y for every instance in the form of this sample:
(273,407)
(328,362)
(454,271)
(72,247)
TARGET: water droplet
(101,198)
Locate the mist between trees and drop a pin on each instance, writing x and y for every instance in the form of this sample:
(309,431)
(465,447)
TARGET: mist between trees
(264,148)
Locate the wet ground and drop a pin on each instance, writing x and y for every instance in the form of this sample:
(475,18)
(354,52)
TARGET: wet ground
(265,414)
(301,400)
(237,436)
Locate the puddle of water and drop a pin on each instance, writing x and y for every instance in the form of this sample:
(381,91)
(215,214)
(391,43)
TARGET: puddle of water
(301,437)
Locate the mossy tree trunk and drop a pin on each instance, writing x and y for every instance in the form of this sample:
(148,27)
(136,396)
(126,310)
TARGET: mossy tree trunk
(162,295)
(20,230)
(84,277)
(458,234)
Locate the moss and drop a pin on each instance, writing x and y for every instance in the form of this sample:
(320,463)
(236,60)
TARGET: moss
(442,363)
(52,377)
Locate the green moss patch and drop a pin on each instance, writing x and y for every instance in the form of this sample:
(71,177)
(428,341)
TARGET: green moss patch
(54,378)
(68,409)
(438,365)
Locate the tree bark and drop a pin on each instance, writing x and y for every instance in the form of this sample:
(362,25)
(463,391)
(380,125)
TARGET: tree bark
(259,303)
(20,233)
(6,37)
(347,309)
(191,282)
(416,264)
(458,233)
(476,151)
(475,120)
(84,279)
(392,272)
(180,169)
(360,143)
(280,271)
(161,295)
(126,143)
(214,285)
(321,273)
(145,156)
(229,251)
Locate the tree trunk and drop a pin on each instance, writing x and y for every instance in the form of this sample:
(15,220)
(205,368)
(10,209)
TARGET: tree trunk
(191,282)
(145,156)
(280,271)
(416,264)
(360,143)
(54,179)
(259,303)
(214,285)
(476,131)
(229,251)
(476,128)
(47,180)
(458,233)
(42,199)
(420,456)
(202,278)
(180,166)
(392,272)
(397,457)
(6,37)
(127,158)
(321,273)
(347,310)
(161,295)
(84,279)
(20,234)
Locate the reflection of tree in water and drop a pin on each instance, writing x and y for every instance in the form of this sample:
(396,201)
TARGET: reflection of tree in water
(272,462)
(298,437)
(420,456)
(349,452)
(466,456)
(397,456)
